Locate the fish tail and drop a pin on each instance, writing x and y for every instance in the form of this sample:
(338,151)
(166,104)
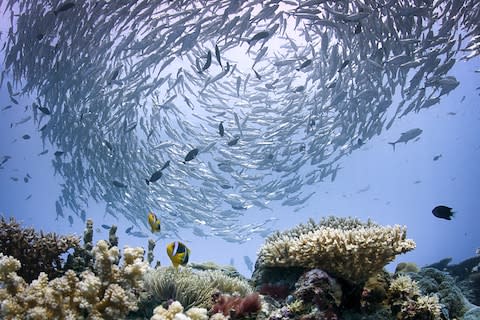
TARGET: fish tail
(147,181)
(393,145)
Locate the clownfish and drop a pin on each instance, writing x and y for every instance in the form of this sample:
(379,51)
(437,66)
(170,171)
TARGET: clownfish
(154,222)
(178,253)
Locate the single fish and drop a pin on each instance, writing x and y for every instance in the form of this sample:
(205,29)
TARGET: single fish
(443,212)
(221,129)
(438,156)
(118,184)
(259,36)
(139,234)
(26,137)
(43,152)
(128,230)
(209,61)
(154,222)
(106,227)
(154,177)
(233,141)
(70,220)
(217,55)
(58,153)
(178,253)
(305,64)
(191,155)
(64,7)
(44,110)
(407,136)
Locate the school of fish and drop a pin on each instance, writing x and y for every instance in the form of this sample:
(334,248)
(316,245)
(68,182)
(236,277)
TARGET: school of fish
(201,110)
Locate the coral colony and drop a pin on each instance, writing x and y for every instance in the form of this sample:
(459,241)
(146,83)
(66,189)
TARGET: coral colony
(329,270)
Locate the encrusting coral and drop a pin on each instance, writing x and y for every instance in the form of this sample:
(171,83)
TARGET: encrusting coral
(37,252)
(192,288)
(343,247)
(110,291)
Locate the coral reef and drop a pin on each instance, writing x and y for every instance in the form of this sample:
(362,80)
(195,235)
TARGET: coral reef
(110,291)
(344,247)
(405,267)
(317,287)
(236,307)
(433,281)
(175,311)
(192,287)
(37,252)
(375,292)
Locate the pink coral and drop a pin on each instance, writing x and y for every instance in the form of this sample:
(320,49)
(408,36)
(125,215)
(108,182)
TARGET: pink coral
(235,306)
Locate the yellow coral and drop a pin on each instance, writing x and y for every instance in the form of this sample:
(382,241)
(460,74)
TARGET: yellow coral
(344,247)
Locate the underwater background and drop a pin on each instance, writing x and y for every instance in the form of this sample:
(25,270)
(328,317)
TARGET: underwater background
(369,180)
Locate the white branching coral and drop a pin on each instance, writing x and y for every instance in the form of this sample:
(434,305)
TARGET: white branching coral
(109,291)
(175,312)
(344,247)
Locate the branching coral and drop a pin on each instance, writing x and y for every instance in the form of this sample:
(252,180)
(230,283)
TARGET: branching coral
(192,288)
(37,252)
(343,247)
(175,311)
(110,291)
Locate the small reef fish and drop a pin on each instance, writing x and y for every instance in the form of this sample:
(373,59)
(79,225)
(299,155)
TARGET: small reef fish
(154,177)
(407,136)
(128,230)
(221,129)
(154,222)
(178,253)
(438,156)
(26,137)
(118,184)
(70,220)
(166,165)
(443,212)
(139,234)
(191,155)
(106,227)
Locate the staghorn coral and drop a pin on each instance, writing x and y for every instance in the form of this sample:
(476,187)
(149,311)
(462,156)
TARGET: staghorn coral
(424,308)
(343,247)
(110,291)
(37,252)
(191,288)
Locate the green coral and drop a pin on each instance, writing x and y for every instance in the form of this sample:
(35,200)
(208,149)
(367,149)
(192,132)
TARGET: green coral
(192,288)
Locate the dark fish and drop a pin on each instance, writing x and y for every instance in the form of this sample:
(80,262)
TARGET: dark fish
(344,65)
(43,127)
(45,110)
(438,156)
(64,7)
(128,230)
(28,197)
(191,155)
(358,28)
(221,129)
(108,145)
(443,212)
(360,142)
(209,61)
(14,178)
(106,227)
(233,141)
(58,153)
(70,220)
(259,77)
(259,36)
(226,186)
(217,55)
(154,177)
(7,107)
(26,136)
(166,165)
(43,152)
(118,184)
(39,36)
(305,64)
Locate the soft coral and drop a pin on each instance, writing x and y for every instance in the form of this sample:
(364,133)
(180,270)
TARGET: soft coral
(235,306)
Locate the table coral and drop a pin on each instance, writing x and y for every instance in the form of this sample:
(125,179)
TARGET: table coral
(344,247)
(37,252)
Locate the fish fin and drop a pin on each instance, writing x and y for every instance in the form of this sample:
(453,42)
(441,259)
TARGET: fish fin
(393,145)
